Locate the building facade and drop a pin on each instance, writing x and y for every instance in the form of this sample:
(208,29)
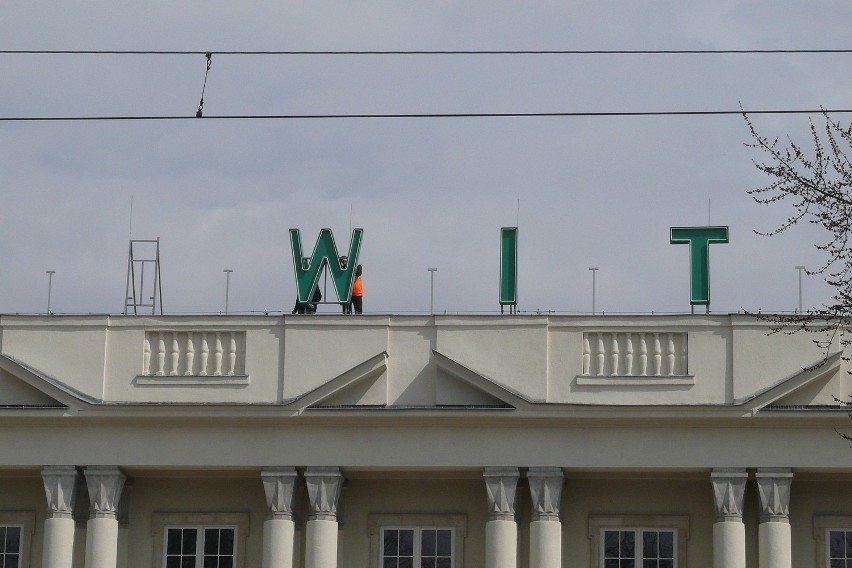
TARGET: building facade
(421,442)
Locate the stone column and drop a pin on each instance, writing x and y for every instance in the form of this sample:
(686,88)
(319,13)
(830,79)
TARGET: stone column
(324,485)
(501,530)
(59,482)
(278,529)
(729,530)
(105,485)
(545,528)
(774,539)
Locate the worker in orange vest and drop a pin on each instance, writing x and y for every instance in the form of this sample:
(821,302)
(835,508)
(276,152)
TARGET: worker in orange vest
(358,292)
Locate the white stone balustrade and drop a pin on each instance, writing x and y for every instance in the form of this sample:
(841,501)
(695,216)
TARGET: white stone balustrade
(635,354)
(187,353)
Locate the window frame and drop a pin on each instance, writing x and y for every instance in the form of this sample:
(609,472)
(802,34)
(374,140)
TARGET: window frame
(679,524)
(823,524)
(25,520)
(161,522)
(638,534)
(200,543)
(377,523)
(417,552)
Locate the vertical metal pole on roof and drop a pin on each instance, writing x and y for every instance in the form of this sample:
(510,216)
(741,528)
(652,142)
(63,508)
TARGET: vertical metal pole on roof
(800,268)
(432,272)
(50,274)
(227,272)
(594,270)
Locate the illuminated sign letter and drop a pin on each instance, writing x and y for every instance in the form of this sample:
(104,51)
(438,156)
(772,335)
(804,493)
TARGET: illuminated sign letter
(699,240)
(509,266)
(308,270)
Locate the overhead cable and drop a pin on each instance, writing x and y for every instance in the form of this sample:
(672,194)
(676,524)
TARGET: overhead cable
(432,52)
(423,115)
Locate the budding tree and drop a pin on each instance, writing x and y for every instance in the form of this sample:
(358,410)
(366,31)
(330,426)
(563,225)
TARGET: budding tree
(815,181)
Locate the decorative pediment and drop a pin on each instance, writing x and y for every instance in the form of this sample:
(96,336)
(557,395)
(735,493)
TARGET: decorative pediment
(813,385)
(22,386)
(359,386)
(478,383)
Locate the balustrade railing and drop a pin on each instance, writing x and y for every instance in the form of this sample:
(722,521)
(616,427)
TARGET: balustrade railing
(194,353)
(635,354)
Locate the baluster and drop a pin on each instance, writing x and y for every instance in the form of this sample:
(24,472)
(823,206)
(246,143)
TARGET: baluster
(684,360)
(190,354)
(658,355)
(205,352)
(600,355)
(628,357)
(161,355)
(614,355)
(643,356)
(587,354)
(175,354)
(217,357)
(671,355)
(146,356)
(232,355)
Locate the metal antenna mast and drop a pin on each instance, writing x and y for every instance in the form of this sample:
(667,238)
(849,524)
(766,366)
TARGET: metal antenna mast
(137,293)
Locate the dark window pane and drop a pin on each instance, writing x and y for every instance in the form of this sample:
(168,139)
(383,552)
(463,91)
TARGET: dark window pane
(443,563)
(226,562)
(406,543)
(13,540)
(627,563)
(389,563)
(2,542)
(445,542)
(173,562)
(849,564)
(211,561)
(838,564)
(666,563)
(226,541)
(187,562)
(649,563)
(610,563)
(649,545)
(835,544)
(173,541)
(407,562)
(627,544)
(611,544)
(11,561)
(666,544)
(189,538)
(211,541)
(848,543)
(427,563)
(428,539)
(391,543)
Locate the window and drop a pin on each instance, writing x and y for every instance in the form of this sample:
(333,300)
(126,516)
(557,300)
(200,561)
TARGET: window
(416,541)
(639,548)
(839,548)
(199,540)
(200,547)
(638,541)
(417,547)
(10,546)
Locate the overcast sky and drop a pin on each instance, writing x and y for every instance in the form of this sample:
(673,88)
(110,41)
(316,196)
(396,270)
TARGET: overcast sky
(428,192)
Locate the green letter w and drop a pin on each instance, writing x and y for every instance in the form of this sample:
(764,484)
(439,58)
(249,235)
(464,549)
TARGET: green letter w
(325,253)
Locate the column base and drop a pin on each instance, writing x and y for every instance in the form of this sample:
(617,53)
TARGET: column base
(545,544)
(501,544)
(774,545)
(729,544)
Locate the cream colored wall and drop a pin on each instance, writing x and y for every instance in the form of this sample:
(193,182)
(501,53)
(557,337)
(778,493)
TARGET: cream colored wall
(25,492)
(810,495)
(204,493)
(665,494)
(411,496)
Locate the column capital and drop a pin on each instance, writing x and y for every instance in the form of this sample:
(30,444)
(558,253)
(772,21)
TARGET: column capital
(278,484)
(59,484)
(324,484)
(501,483)
(545,492)
(728,490)
(773,486)
(104,484)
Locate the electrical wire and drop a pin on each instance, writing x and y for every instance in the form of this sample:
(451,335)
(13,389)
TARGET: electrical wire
(434,52)
(423,115)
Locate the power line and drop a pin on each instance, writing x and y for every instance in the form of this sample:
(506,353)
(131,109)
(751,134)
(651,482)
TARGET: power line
(433,52)
(421,115)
